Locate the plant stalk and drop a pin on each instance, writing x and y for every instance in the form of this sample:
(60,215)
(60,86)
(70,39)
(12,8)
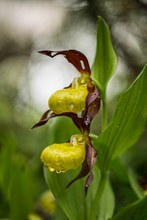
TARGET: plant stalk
(104,174)
(95,205)
(104,112)
(104,103)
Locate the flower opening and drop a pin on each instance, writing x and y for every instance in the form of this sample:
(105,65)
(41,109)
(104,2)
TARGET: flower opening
(65,156)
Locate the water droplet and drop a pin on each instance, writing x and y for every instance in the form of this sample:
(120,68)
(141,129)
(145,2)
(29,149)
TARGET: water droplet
(71,106)
(58,171)
(51,169)
(79,114)
(59,101)
(63,171)
(71,97)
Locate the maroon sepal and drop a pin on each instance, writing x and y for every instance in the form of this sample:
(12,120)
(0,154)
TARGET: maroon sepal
(92,107)
(73,56)
(91,160)
(44,118)
(88,182)
(84,171)
(49,114)
(87,166)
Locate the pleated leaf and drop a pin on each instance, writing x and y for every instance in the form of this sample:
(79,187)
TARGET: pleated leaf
(71,200)
(135,211)
(105,61)
(21,198)
(127,124)
(106,205)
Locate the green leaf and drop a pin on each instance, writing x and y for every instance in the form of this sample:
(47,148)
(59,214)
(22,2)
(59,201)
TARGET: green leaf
(105,206)
(61,129)
(71,200)
(134,184)
(126,177)
(6,164)
(105,61)
(127,124)
(107,203)
(21,197)
(119,170)
(135,211)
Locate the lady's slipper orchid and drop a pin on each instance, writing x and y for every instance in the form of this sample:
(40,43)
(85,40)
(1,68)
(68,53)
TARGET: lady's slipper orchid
(81,96)
(68,100)
(65,156)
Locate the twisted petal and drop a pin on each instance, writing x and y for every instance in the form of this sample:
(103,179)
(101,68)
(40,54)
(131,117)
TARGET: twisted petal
(49,114)
(87,165)
(73,56)
(44,118)
(92,107)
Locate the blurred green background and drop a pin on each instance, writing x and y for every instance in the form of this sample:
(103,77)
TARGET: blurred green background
(27,79)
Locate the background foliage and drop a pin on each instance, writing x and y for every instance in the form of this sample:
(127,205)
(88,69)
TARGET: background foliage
(22,100)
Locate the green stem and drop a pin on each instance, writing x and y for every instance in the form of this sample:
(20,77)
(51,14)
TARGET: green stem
(93,136)
(104,113)
(104,175)
(85,206)
(98,85)
(104,103)
(94,207)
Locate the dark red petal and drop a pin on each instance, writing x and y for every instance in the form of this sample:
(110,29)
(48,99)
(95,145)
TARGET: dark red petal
(44,118)
(92,107)
(91,156)
(88,182)
(84,171)
(49,114)
(87,165)
(75,57)
(45,114)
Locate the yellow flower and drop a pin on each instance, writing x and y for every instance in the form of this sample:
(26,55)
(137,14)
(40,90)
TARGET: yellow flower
(65,156)
(68,100)
(34,216)
(48,203)
(81,96)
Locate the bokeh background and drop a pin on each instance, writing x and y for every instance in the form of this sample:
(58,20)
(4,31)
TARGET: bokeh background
(27,79)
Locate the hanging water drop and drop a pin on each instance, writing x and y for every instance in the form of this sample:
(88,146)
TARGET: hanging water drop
(58,171)
(51,169)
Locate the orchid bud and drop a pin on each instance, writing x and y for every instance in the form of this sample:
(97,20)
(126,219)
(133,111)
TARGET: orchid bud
(65,156)
(68,100)
(47,202)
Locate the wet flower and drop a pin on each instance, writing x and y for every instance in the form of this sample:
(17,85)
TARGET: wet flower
(81,102)
(65,156)
(68,100)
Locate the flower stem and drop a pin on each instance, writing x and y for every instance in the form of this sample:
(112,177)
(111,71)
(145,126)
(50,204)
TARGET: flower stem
(93,136)
(104,103)
(98,196)
(104,113)
(104,174)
